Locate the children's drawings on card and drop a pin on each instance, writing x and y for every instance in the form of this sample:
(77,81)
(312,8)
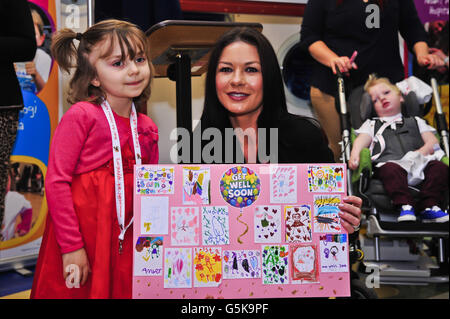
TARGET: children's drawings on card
(154,215)
(241,264)
(267,224)
(326,214)
(148,258)
(275,264)
(298,223)
(154,180)
(177,267)
(185,226)
(326,178)
(196,186)
(234,232)
(333,253)
(207,266)
(304,263)
(215,225)
(283,184)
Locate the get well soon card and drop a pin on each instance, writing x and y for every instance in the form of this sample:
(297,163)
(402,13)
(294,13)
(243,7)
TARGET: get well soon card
(239,231)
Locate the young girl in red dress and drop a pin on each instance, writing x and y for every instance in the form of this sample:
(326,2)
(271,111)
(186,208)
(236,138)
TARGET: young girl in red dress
(86,251)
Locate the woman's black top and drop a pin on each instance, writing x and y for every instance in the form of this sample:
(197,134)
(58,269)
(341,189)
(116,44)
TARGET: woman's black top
(300,140)
(17,44)
(352,25)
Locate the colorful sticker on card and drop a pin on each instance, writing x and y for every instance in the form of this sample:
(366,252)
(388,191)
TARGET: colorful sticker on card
(326,214)
(283,184)
(298,223)
(215,225)
(275,264)
(148,258)
(326,178)
(267,224)
(178,268)
(333,253)
(185,226)
(196,186)
(154,181)
(304,263)
(207,266)
(241,264)
(240,186)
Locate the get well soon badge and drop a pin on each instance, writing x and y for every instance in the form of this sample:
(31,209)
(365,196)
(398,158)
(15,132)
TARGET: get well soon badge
(240,187)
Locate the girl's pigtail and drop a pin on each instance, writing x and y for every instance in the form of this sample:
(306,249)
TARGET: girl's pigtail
(63,48)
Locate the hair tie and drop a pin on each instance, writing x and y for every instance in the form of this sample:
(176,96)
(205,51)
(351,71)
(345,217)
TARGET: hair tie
(78,36)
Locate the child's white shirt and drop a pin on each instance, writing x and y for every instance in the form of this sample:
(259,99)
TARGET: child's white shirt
(413,162)
(368,127)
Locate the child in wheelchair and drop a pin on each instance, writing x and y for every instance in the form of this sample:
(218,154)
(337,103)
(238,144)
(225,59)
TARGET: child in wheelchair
(404,151)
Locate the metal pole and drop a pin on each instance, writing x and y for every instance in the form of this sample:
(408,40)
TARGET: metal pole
(345,147)
(90,12)
(184,91)
(441,250)
(440,118)
(377,248)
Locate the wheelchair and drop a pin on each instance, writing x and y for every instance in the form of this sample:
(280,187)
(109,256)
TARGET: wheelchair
(406,253)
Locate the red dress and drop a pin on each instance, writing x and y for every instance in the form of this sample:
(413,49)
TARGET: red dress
(94,201)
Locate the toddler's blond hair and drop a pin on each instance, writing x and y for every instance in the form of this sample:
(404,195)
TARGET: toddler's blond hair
(374,80)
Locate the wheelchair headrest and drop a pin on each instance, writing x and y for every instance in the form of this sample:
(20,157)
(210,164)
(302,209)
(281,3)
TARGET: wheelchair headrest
(361,108)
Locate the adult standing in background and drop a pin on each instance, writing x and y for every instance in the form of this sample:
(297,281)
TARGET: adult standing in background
(17,44)
(333,30)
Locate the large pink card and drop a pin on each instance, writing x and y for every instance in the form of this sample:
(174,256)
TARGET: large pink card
(239,231)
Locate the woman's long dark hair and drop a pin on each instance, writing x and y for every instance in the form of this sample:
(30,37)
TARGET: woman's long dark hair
(274,101)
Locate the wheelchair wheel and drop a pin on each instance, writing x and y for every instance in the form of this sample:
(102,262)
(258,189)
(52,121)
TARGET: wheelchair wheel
(358,290)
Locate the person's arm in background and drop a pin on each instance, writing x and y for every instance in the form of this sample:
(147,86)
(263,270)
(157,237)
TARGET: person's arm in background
(31,69)
(412,30)
(425,57)
(320,51)
(311,38)
(20,44)
(440,54)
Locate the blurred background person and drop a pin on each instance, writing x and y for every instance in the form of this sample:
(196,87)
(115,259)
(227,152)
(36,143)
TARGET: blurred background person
(17,43)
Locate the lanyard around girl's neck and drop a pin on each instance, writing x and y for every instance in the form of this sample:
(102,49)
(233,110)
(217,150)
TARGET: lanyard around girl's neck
(118,169)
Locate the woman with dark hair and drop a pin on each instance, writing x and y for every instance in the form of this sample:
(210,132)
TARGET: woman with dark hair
(244,93)
(332,30)
(272,110)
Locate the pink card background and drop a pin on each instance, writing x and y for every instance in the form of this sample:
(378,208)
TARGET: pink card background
(330,284)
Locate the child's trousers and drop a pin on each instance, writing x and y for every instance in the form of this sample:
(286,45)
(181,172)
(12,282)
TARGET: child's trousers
(432,189)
